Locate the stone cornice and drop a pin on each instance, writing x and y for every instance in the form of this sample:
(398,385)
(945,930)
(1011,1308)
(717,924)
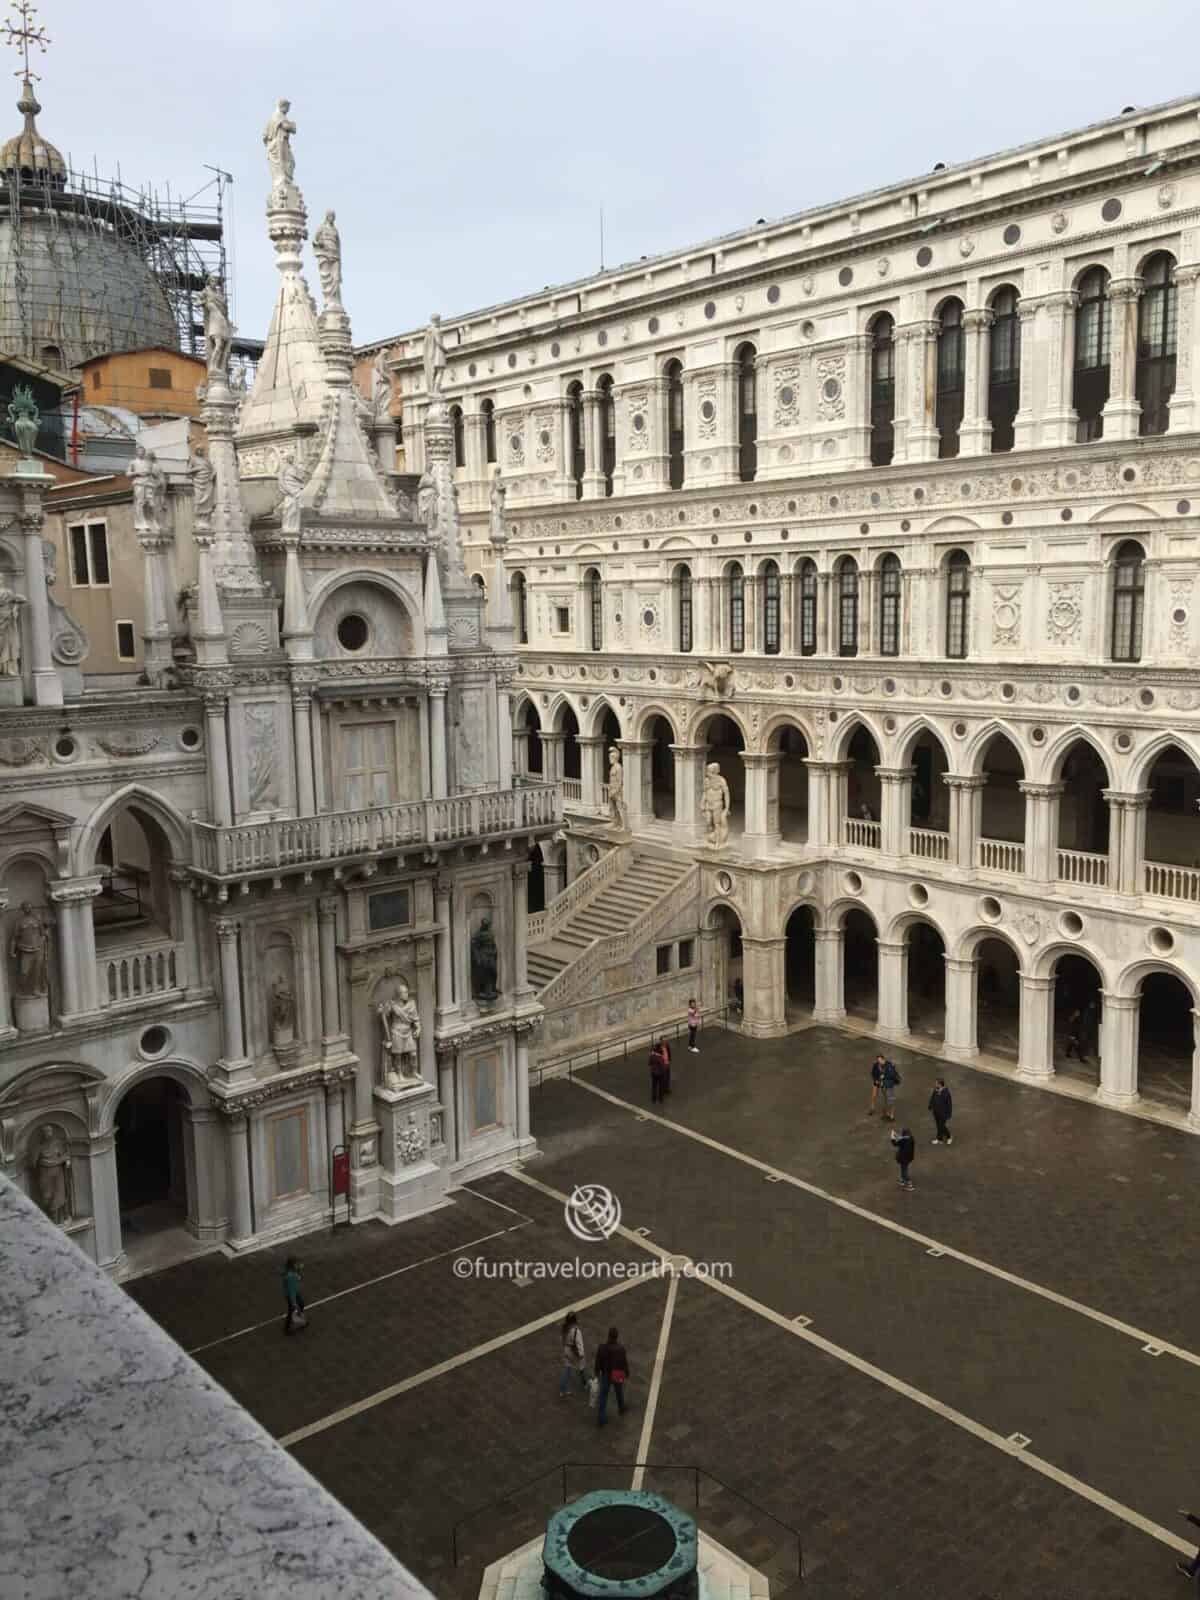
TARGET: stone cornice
(262,1093)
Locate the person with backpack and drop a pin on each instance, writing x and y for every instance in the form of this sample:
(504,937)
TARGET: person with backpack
(876,1083)
(612,1368)
(906,1149)
(890,1080)
(574,1360)
(658,1071)
(295,1318)
(941,1105)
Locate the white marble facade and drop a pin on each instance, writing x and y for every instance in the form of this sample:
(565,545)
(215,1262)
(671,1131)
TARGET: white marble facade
(213,886)
(892,509)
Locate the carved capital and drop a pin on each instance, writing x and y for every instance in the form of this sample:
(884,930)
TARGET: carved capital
(226,928)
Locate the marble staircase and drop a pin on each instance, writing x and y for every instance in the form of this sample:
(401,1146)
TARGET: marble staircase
(615,905)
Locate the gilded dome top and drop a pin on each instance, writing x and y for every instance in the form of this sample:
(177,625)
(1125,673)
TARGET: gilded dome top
(35,159)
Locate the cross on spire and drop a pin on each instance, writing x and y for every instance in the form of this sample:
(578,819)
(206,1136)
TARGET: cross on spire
(23,33)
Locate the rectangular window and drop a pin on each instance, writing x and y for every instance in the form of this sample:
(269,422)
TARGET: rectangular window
(562,619)
(89,554)
(956,625)
(485,1098)
(685,612)
(388,910)
(96,378)
(160,378)
(369,764)
(808,614)
(287,1140)
(737,613)
(126,642)
(662,959)
(687,952)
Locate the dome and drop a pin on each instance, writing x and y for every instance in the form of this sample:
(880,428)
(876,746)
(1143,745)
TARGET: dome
(28,155)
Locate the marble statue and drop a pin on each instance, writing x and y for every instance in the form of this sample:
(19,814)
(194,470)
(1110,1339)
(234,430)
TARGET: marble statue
(485,961)
(498,532)
(327,247)
(716,679)
(10,632)
(204,486)
(616,789)
(435,356)
(52,1174)
(30,947)
(283,1012)
(278,140)
(149,490)
(714,807)
(427,502)
(218,330)
(290,483)
(381,388)
(401,1030)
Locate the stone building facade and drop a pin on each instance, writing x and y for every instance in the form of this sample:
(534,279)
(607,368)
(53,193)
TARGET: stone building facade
(265,907)
(891,512)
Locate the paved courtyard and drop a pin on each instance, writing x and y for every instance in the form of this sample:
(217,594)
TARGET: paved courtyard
(1007,1298)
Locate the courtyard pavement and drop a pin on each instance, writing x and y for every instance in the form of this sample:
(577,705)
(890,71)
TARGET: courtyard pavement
(1006,1298)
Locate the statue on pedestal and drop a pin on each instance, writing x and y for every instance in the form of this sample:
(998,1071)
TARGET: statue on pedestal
(427,502)
(401,1029)
(24,418)
(497,532)
(204,487)
(283,1012)
(617,813)
(52,1175)
(327,247)
(29,947)
(278,140)
(10,632)
(149,491)
(381,388)
(218,331)
(435,356)
(714,807)
(290,483)
(485,962)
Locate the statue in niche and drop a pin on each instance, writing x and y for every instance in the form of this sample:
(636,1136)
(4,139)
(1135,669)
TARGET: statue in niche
(401,1029)
(278,140)
(435,356)
(204,486)
(53,1179)
(283,1012)
(498,532)
(427,502)
(714,807)
(327,247)
(290,484)
(10,632)
(616,789)
(485,961)
(381,388)
(29,947)
(218,330)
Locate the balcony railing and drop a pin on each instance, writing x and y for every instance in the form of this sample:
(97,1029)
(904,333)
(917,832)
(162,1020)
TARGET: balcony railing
(931,844)
(126,976)
(1083,866)
(1172,882)
(1001,855)
(573,790)
(298,841)
(862,833)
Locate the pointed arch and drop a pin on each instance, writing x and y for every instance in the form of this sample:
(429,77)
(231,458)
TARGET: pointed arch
(132,797)
(1141,765)
(1054,756)
(972,756)
(592,719)
(840,742)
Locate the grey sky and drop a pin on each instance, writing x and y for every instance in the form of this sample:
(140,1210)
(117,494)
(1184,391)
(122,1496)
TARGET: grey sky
(468,146)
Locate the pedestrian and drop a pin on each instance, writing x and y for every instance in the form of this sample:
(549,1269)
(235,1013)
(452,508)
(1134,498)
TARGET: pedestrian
(612,1368)
(906,1148)
(664,1050)
(876,1081)
(693,1025)
(295,1300)
(941,1105)
(739,996)
(573,1357)
(657,1070)
(890,1080)
(1075,1045)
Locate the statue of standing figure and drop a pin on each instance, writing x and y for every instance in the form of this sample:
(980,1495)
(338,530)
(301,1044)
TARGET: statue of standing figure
(498,531)
(278,140)
(30,947)
(714,807)
(401,1026)
(218,331)
(204,487)
(149,490)
(427,502)
(290,483)
(617,812)
(327,247)
(283,1012)
(381,388)
(53,1177)
(435,356)
(10,632)
(485,962)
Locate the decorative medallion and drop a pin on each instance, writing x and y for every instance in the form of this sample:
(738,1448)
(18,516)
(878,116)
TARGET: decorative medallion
(1060,222)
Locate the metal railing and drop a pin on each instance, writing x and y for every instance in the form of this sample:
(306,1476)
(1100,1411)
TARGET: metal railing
(931,844)
(858,831)
(1172,882)
(1001,855)
(1083,866)
(620,1049)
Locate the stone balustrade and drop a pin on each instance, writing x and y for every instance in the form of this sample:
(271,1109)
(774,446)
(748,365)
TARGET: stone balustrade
(1172,882)
(930,844)
(863,834)
(127,976)
(1001,855)
(1083,866)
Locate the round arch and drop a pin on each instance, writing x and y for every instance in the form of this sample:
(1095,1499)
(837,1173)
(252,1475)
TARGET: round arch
(970,940)
(835,915)
(327,587)
(1129,981)
(643,717)
(1149,256)
(704,715)
(804,902)
(1043,964)
(900,925)
(189,1076)
(1091,266)
(719,903)
(132,797)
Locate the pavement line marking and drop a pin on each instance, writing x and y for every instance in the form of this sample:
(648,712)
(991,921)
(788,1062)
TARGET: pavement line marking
(381,1396)
(1039,1289)
(465,1188)
(800,1328)
(660,1356)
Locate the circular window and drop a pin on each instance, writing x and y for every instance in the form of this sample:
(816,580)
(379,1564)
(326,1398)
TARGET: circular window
(639,422)
(1179,616)
(889,686)
(1066,513)
(787,395)
(543,437)
(652,325)
(753,508)
(1070,923)
(556,348)
(593,853)
(834,502)
(514,443)
(1037,735)
(1129,475)
(716,513)
(773,295)
(853,883)
(1006,518)
(653,676)
(924,256)
(791,505)
(1161,940)
(352,631)
(789,682)
(864,527)
(946,687)
(645,544)
(889,724)
(1146,697)
(616,522)
(1012,234)
(1124,741)
(837,684)
(990,908)
(1110,210)
(190,738)
(710,309)
(471,370)
(707,410)
(747,537)
(964,489)
(616,672)
(918,494)
(960,730)
(66,748)
(918,895)
(831,388)
(724,882)
(808,329)
(846,276)
(154,1041)
(1184,507)
(804,882)
(512,359)
(647,618)
(1073,694)
(833,716)
(784,535)
(905,526)
(1007,691)
(712,538)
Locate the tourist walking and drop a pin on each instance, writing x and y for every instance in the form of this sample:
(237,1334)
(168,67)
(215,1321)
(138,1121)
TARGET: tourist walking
(295,1318)
(906,1149)
(1189,1568)
(612,1368)
(941,1105)
(574,1360)
(664,1050)
(658,1069)
(890,1081)
(693,1025)
(1075,1044)
(876,1083)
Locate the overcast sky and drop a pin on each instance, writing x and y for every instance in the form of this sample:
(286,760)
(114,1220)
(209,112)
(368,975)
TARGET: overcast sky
(469,145)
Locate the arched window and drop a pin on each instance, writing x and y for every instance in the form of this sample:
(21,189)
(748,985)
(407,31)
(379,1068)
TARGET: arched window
(883,390)
(1093,339)
(951,374)
(52,356)
(1129,594)
(958,601)
(769,572)
(847,591)
(488,409)
(747,380)
(807,620)
(1004,368)
(890,586)
(595,595)
(674,377)
(520,607)
(737,607)
(575,442)
(460,449)
(480,583)
(608,430)
(1157,324)
(683,607)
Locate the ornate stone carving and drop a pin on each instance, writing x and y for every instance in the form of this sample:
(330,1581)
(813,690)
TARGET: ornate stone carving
(543,431)
(410,1141)
(367,1153)
(485,959)
(966,245)
(706,408)
(277,137)
(401,1029)
(262,783)
(787,395)
(124,746)
(29,948)
(637,410)
(1006,615)
(616,788)
(1060,222)
(10,632)
(831,379)
(53,1179)
(21,752)
(327,248)
(1065,614)
(249,639)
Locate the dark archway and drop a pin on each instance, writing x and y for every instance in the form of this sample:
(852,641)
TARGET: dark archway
(568,726)
(929,803)
(926,981)
(537,880)
(662,768)
(1172,822)
(800,959)
(792,782)
(998,1018)
(1078,999)
(725,744)
(531,724)
(726,951)
(860,954)
(862,781)
(1083,810)
(1002,818)
(1166,1040)
(151,1159)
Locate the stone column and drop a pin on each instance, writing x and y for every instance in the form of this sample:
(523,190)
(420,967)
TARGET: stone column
(591,767)
(689,780)
(522,1051)
(827,613)
(504,737)
(892,1022)
(76,940)
(241,1221)
(1025,423)
(552,756)
(1041,829)
(829,1000)
(895,808)
(554,870)
(445,962)
(921,353)
(7,1030)
(761,833)
(765,989)
(233,1038)
(593,477)
(966,812)
(1127,839)
(47,684)
(823,828)
(220,804)
(206,1209)
(522,988)
(1182,405)
(439,777)
(703,639)
(476,452)
(156,631)
(426,1003)
(106,1201)
(639,799)
(306,788)
(962,1000)
(1119,1049)
(868,611)
(448,1099)
(1194,1109)
(331,1023)
(1121,410)
(1035,1052)
(1061,421)
(975,429)
(189,965)
(858,401)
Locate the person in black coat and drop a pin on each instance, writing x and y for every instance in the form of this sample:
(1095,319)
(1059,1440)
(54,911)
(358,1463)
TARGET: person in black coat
(906,1149)
(612,1368)
(941,1105)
